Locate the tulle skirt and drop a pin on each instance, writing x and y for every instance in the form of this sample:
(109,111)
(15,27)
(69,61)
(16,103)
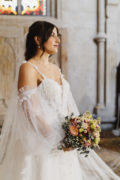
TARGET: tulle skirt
(57,165)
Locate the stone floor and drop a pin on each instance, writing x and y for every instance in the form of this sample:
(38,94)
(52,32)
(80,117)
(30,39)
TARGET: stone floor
(110,150)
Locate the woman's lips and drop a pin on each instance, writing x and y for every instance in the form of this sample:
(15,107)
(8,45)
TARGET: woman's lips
(56,46)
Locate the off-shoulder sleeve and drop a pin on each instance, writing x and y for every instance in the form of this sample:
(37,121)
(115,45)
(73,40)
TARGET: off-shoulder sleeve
(39,127)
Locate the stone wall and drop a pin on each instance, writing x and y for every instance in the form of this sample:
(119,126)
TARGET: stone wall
(13,31)
(80,20)
(92,66)
(80,53)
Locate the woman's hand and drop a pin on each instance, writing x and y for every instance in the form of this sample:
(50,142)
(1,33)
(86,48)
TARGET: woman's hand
(67,149)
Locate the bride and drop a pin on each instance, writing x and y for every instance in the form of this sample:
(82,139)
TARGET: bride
(32,128)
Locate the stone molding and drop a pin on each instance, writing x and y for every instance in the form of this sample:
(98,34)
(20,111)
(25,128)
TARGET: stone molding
(113,2)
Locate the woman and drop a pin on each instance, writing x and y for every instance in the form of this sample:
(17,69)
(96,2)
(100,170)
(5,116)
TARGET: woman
(33,131)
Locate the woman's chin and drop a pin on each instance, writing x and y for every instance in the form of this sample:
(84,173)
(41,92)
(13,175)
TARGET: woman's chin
(52,52)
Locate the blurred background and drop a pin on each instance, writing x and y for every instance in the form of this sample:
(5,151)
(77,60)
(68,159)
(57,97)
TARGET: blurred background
(89,56)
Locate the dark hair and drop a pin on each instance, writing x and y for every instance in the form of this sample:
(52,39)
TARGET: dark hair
(43,30)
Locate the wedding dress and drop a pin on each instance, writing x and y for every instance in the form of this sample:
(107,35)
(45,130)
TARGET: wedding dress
(32,132)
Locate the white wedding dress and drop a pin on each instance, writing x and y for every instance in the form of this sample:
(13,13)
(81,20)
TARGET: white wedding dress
(32,132)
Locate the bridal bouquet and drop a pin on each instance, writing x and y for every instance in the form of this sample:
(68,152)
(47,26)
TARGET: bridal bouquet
(81,132)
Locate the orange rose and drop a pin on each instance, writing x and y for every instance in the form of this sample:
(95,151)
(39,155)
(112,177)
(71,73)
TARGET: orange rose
(73,130)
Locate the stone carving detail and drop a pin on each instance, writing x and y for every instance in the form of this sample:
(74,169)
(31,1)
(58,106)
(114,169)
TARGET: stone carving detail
(7,71)
(12,48)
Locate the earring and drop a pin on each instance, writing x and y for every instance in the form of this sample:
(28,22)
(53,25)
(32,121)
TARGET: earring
(38,46)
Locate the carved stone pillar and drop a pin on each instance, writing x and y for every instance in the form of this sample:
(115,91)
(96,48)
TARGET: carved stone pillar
(107,59)
(54,8)
(100,40)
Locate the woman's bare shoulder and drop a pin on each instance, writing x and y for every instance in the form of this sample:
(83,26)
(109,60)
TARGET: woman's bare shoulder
(27,70)
(27,76)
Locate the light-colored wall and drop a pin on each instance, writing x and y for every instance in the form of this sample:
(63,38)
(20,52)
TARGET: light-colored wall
(80,19)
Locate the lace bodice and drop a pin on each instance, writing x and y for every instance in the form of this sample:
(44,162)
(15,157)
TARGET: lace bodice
(55,94)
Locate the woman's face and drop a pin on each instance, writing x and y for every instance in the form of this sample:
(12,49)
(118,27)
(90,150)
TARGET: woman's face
(51,45)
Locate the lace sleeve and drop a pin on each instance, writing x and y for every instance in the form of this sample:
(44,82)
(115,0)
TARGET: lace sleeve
(38,122)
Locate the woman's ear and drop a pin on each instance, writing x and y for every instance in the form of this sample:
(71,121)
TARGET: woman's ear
(37,40)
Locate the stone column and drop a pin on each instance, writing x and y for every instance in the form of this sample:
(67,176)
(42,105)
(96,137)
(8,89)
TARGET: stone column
(54,8)
(100,40)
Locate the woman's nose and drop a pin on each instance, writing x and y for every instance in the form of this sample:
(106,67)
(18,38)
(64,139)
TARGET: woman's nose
(57,39)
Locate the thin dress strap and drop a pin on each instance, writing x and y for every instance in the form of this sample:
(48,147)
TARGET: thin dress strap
(36,68)
(61,75)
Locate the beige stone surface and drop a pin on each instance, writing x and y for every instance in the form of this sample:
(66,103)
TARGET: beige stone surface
(80,21)
(12,46)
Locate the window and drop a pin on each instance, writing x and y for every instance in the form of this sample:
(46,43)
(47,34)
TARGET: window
(8,7)
(33,7)
(23,7)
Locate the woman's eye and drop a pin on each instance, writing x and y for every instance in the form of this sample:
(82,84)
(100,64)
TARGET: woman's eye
(59,35)
(53,35)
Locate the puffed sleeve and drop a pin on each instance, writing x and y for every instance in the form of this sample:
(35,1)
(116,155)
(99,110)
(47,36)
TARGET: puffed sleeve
(38,127)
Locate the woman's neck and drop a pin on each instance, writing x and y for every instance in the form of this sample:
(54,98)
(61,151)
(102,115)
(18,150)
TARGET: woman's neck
(44,59)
